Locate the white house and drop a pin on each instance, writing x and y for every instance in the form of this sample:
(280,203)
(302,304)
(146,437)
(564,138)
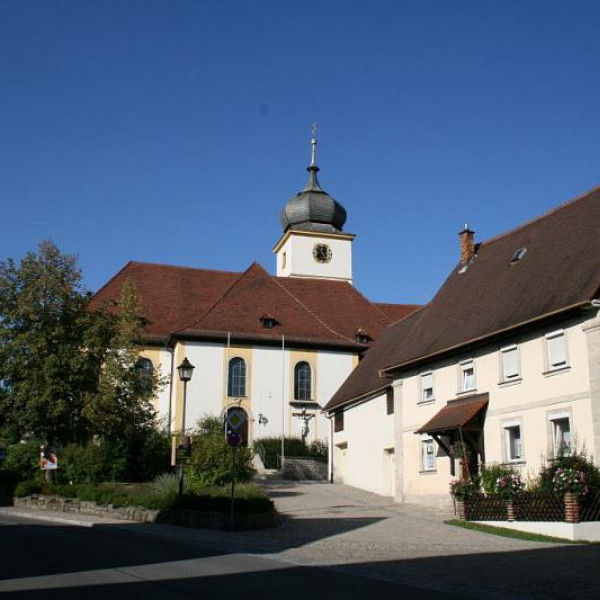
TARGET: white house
(503,365)
(278,347)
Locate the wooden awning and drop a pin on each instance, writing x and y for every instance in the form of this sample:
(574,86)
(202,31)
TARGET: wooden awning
(457,414)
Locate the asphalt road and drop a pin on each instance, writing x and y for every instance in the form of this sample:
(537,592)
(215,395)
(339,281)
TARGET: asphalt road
(43,560)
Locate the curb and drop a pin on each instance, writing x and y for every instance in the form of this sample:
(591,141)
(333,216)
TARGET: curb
(38,516)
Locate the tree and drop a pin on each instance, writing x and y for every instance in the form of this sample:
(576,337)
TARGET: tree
(121,408)
(69,374)
(43,320)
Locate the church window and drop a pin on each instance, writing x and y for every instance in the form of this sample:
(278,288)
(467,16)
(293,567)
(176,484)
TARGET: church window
(236,382)
(302,381)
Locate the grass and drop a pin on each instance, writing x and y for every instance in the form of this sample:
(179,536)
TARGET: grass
(512,533)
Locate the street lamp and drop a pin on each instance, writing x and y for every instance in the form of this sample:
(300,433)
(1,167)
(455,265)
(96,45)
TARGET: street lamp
(185,369)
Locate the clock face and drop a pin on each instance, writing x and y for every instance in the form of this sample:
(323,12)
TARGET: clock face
(322,253)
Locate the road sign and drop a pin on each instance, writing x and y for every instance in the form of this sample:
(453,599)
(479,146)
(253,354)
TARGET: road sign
(236,417)
(234,439)
(181,450)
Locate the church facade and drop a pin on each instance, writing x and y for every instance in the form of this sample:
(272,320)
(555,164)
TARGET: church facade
(275,347)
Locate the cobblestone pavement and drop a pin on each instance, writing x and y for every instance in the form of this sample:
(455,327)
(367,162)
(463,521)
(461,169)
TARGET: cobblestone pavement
(339,527)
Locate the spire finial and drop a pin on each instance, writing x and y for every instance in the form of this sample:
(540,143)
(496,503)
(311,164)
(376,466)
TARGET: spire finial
(313,143)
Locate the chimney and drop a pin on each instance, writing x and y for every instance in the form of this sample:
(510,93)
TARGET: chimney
(467,245)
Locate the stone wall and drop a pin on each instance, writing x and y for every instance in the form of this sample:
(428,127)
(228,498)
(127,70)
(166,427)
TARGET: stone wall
(304,468)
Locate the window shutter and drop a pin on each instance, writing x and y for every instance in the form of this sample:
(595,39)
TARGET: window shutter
(557,351)
(511,363)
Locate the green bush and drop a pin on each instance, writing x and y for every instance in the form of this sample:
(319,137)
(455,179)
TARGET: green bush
(23,459)
(578,460)
(492,472)
(30,487)
(212,457)
(269,449)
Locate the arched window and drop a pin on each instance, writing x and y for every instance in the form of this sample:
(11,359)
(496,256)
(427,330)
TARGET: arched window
(145,366)
(302,381)
(236,382)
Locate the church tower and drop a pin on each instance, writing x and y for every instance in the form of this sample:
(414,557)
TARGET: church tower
(313,243)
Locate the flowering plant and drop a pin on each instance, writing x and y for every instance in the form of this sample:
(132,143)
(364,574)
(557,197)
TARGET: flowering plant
(508,486)
(460,489)
(570,480)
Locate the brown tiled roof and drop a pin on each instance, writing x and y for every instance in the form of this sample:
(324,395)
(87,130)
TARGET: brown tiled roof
(171,296)
(395,312)
(560,271)
(199,303)
(456,414)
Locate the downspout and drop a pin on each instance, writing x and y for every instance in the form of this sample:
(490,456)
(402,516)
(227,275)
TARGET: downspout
(330,457)
(282,399)
(171,350)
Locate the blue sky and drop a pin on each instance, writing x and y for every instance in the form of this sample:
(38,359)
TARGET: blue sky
(175,131)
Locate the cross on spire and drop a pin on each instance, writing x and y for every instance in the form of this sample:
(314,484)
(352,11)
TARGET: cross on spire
(313,143)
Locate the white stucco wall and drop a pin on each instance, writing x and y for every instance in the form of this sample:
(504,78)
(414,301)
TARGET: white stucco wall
(299,260)
(529,401)
(363,452)
(267,393)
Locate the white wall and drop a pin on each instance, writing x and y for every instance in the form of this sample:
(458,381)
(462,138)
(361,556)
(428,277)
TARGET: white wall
(530,401)
(361,456)
(299,261)
(268,395)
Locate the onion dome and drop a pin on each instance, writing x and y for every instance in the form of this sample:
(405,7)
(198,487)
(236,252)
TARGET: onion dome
(313,209)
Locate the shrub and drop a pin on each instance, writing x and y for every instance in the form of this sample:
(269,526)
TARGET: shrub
(269,449)
(577,460)
(212,457)
(23,459)
(30,487)
(508,486)
(491,473)
(462,489)
(570,480)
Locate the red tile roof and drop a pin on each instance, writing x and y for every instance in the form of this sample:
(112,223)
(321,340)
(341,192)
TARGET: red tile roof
(456,414)
(559,272)
(201,304)
(396,312)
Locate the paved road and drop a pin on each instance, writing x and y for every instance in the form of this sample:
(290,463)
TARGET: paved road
(48,561)
(332,531)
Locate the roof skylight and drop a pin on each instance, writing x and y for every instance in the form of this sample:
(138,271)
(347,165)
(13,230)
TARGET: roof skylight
(518,255)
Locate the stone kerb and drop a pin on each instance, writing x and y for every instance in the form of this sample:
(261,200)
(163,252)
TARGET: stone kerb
(186,518)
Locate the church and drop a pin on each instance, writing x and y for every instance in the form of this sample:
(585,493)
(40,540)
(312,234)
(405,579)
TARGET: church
(272,349)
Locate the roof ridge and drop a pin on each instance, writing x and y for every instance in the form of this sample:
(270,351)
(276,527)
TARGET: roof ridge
(545,215)
(309,311)
(180,267)
(127,264)
(220,298)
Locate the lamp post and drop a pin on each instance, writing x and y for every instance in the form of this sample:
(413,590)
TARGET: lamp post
(185,370)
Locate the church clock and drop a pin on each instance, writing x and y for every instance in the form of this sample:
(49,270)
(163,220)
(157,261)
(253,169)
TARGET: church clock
(322,253)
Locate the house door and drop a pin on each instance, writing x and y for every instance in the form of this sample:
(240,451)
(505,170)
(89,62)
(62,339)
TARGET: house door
(389,472)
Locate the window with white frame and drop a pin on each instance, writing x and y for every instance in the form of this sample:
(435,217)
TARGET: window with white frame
(512,442)
(426,387)
(510,362)
(467,375)
(560,425)
(556,345)
(236,380)
(427,454)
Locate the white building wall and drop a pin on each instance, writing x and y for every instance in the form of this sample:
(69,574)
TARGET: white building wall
(205,390)
(363,452)
(299,260)
(270,374)
(531,400)
(267,389)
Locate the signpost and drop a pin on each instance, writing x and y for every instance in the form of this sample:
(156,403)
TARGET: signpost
(235,418)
